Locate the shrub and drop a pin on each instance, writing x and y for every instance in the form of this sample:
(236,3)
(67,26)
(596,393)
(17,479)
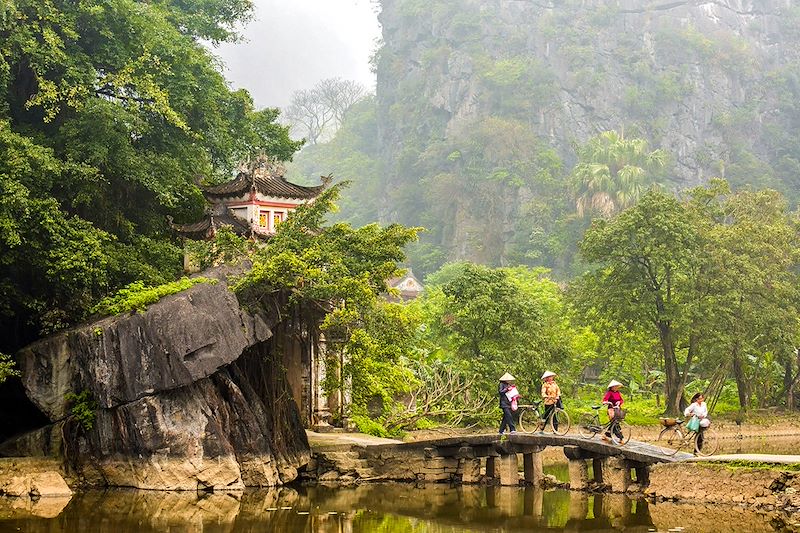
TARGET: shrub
(137,296)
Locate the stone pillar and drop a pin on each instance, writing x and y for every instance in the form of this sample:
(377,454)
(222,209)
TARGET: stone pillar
(532,467)
(616,473)
(578,474)
(503,468)
(470,470)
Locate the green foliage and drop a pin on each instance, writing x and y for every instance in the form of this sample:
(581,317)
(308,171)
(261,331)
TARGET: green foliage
(711,279)
(7,369)
(491,321)
(332,274)
(613,172)
(226,247)
(137,296)
(82,408)
(108,113)
(369,426)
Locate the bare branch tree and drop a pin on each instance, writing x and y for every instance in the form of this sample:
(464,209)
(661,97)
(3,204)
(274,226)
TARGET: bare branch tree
(318,112)
(445,395)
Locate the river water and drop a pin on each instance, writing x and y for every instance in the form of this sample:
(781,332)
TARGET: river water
(368,508)
(385,508)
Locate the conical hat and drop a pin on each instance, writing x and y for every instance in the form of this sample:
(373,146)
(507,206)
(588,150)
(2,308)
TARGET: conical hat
(614,383)
(507,377)
(547,374)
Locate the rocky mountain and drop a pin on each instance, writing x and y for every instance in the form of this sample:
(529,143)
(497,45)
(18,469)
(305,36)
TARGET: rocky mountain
(481,103)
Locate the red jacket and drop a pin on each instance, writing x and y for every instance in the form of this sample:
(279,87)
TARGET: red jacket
(613,397)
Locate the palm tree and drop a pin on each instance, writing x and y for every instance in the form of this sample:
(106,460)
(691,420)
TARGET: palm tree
(613,172)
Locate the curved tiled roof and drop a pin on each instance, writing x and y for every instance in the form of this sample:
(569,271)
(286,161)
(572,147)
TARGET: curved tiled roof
(266,185)
(265,175)
(202,229)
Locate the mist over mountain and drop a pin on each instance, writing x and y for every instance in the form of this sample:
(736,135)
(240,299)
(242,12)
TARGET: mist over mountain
(481,106)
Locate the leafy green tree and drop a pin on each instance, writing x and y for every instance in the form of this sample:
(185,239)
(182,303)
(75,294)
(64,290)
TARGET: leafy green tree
(109,112)
(490,321)
(331,275)
(613,172)
(751,276)
(645,259)
(6,367)
(713,278)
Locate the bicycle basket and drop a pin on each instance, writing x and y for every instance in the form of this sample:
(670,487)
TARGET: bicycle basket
(619,413)
(668,422)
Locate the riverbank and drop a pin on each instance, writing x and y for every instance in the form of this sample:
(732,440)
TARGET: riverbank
(752,484)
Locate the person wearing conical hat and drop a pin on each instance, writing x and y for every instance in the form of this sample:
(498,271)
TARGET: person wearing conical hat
(613,401)
(551,395)
(506,384)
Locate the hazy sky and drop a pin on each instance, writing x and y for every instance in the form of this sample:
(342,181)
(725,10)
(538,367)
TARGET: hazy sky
(292,44)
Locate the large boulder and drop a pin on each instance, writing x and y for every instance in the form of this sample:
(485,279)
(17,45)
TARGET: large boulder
(190,395)
(179,340)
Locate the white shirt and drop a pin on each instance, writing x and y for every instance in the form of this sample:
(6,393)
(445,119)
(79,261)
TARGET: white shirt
(699,410)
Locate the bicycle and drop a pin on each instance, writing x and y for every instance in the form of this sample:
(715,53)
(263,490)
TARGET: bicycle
(590,426)
(674,437)
(532,417)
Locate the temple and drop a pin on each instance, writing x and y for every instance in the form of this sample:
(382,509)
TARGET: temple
(253,204)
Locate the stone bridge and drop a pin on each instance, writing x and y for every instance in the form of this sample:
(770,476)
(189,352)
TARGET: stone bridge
(495,459)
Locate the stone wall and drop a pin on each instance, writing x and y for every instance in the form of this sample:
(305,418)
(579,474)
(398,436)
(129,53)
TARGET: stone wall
(768,488)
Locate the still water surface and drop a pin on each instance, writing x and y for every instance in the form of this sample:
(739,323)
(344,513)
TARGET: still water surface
(386,508)
(383,507)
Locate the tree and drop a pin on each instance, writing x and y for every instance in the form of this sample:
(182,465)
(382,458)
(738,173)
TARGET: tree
(646,257)
(613,172)
(318,112)
(485,322)
(108,113)
(712,277)
(751,278)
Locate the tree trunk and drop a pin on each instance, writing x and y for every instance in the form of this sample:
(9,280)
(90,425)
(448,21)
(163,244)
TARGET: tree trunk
(673,389)
(741,379)
(790,380)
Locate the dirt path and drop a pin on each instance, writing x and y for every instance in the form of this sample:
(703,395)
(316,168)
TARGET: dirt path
(333,441)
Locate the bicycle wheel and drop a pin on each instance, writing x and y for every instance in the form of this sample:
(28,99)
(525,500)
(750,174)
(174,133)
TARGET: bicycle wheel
(709,443)
(559,422)
(589,426)
(671,441)
(622,434)
(528,420)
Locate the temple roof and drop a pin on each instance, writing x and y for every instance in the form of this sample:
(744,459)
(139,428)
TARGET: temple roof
(207,227)
(265,175)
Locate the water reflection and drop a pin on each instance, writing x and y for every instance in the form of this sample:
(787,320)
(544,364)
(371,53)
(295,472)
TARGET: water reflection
(368,508)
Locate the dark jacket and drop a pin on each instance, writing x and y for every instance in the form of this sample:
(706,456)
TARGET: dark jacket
(504,401)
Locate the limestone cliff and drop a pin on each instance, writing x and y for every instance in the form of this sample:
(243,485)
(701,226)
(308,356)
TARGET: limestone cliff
(482,101)
(190,394)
